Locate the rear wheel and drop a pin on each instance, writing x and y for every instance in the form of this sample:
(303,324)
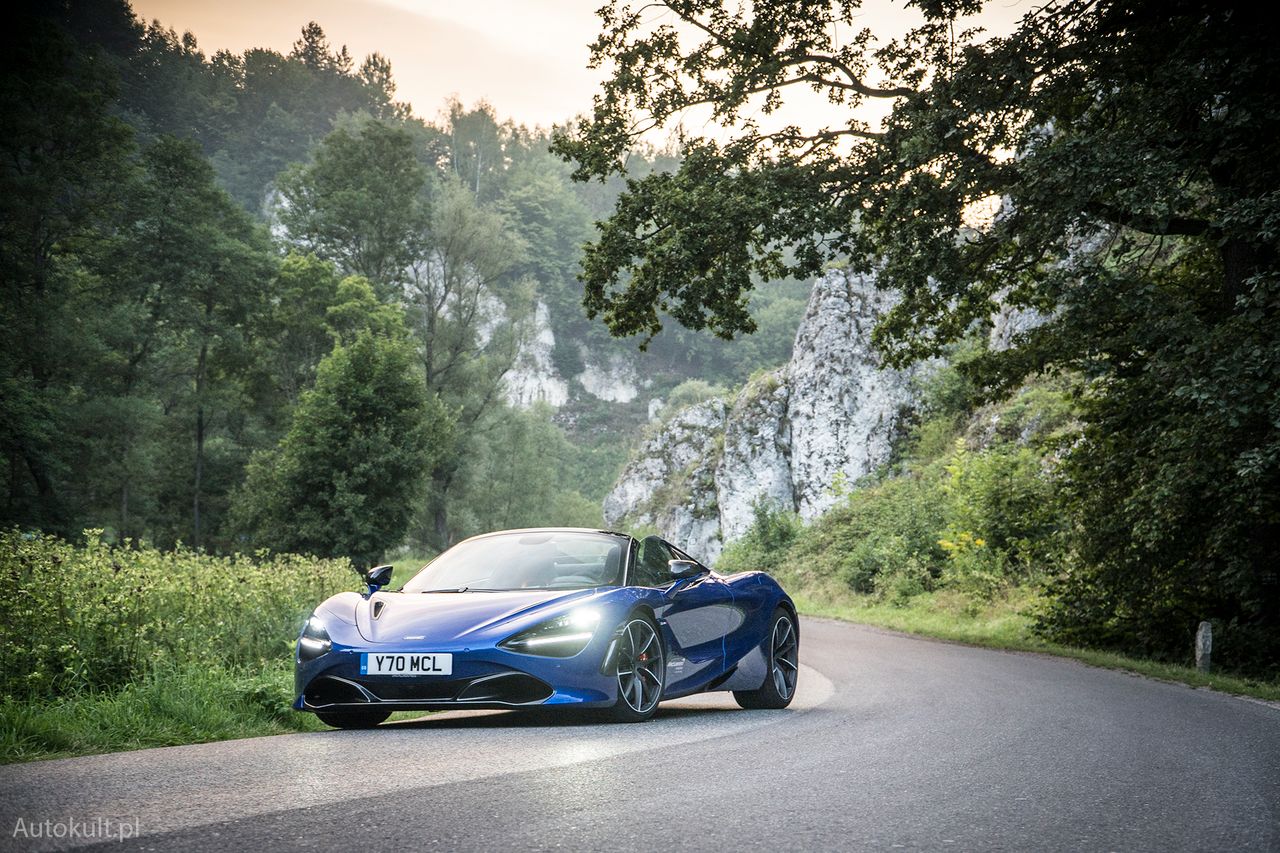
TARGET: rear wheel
(641,671)
(358,719)
(784,666)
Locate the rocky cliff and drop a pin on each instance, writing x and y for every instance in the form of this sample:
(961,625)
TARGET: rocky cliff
(670,481)
(785,439)
(533,377)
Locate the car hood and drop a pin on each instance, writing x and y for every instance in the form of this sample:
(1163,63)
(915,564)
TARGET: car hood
(446,616)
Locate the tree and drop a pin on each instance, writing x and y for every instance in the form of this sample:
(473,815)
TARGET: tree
(467,315)
(375,74)
(523,476)
(313,51)
(346,478)
(1123,151)
(477,147)
(541,207)
(359,203)
(452,265)
(292,333)
(64,167)
(201,267)
(1081,90)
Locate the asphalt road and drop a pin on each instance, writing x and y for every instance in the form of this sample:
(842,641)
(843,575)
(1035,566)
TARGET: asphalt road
(893,742)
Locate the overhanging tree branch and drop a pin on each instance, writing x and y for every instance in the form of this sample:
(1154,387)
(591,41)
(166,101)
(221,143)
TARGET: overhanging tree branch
(1172,226)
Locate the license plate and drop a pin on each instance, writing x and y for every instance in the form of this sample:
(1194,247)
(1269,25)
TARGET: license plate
(393,664)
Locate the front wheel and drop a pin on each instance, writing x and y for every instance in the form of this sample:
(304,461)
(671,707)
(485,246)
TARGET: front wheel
(358,719)
(784,666)
(641,671)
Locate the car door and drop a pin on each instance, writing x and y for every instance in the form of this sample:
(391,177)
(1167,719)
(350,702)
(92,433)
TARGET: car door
(697,612)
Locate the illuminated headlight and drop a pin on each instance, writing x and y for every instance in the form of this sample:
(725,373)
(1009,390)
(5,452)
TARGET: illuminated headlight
(314,640)
(561,637)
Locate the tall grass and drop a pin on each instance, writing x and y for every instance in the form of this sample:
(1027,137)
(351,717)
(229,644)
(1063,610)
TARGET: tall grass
(167,707)
(98,617)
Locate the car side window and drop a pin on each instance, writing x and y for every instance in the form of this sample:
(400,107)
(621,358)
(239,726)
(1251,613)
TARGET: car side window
(652,563)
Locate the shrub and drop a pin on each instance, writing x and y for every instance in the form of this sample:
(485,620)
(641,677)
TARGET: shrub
(692,391)
(97,616)
(878,529)
(1002,514)
(765,546)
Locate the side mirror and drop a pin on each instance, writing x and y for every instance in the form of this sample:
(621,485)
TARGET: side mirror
(681,569)
(377,577)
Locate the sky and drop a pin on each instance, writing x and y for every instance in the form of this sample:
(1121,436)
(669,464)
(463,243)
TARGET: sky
(528,58)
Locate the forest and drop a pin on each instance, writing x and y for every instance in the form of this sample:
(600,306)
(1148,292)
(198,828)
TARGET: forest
(213,263)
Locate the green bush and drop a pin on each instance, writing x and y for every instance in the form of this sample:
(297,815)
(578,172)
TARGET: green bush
(1002,518)
(971,522)
(879,529)
(692,391)
(98,617)
(765,545)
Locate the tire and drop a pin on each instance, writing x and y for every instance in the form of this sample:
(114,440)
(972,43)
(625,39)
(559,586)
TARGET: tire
(784,666)
(360,719)
(641,670)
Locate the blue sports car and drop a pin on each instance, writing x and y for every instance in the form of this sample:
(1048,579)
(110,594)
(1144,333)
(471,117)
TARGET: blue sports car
(548,617)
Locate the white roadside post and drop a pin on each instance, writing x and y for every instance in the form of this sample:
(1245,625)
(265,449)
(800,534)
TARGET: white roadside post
(1204,646)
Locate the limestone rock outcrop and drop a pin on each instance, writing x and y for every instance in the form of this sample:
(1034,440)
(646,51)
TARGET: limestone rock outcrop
(833,412)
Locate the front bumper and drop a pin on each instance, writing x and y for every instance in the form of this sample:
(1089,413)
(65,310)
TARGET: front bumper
(485,678)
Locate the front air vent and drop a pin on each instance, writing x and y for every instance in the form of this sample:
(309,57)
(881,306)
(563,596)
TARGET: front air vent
(509,688)
(377,608)
(327,690)
(412,690)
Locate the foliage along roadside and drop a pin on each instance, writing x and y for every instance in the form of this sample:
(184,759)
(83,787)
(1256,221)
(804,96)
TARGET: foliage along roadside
(76,619)
(106,648)
(1004,623)
(171,706)
(974,516)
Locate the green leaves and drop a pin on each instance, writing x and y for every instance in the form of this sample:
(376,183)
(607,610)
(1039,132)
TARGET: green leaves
(347,477)
(1127,152)
(360,203)
(689,242)
(97,617)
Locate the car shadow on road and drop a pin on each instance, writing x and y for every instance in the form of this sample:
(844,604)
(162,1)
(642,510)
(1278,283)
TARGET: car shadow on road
(539,718)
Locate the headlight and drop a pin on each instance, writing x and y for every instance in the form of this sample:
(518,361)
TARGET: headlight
(561,637)
(314,640)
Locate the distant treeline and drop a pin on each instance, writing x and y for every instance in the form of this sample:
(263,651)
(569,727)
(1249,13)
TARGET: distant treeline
(188,242)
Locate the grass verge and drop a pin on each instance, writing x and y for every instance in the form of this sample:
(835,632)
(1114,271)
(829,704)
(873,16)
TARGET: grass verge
(168,708)
(1005,624)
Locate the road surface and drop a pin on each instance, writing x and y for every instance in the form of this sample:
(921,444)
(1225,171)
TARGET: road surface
(893,742)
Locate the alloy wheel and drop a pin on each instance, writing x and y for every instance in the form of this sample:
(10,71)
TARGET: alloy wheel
(640,666)
(785,657)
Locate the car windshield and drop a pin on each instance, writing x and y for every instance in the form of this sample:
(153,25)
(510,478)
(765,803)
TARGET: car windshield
(525,560)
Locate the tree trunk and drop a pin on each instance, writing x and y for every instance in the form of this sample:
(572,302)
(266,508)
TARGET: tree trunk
(441,519)
(44,486)
(15,480)
(441,479)
(1239,261)
(195,501)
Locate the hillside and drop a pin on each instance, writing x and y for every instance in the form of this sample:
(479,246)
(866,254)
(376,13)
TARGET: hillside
(203,231)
